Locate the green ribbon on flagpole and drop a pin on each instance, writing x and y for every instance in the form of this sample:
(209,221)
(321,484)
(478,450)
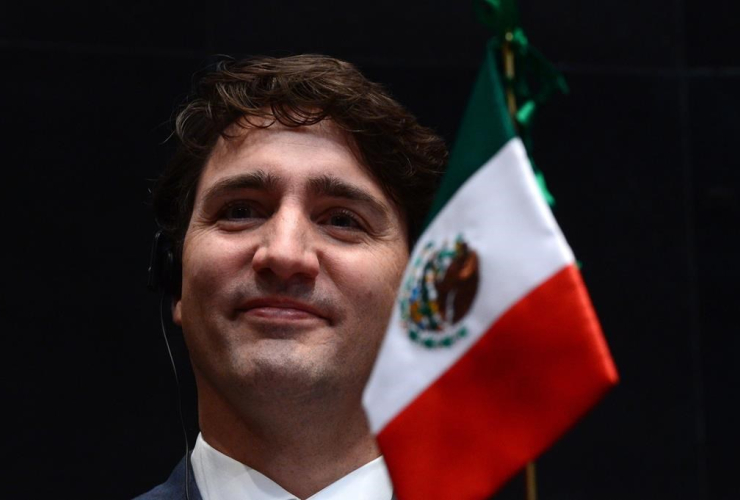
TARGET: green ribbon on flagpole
(534,80)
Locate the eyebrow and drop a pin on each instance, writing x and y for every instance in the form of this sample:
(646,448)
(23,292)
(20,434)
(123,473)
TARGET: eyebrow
(322,185)
(258,180)
(334,187)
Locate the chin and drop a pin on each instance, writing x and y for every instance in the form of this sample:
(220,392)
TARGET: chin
(286,372)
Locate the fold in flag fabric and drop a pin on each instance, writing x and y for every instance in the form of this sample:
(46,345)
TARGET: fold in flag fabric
(494,349)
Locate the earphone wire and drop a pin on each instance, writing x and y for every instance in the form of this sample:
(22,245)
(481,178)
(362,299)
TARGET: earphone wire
(179,396)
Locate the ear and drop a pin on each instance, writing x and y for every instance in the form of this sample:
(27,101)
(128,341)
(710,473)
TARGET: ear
(177,311)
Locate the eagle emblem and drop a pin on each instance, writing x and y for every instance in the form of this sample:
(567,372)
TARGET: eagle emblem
(438,293)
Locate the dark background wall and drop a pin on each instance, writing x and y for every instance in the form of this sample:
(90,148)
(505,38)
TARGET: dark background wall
(640,157)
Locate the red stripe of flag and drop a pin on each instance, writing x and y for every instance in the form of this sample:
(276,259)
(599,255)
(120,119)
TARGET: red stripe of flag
(528,379)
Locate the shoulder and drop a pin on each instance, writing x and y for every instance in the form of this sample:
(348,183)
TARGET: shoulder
(174,487)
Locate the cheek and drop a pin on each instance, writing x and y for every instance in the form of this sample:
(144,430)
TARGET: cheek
(368,288)
(209,265)
(371,283)
(209,271)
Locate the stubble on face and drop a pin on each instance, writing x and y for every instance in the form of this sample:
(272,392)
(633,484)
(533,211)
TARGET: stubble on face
(351,286)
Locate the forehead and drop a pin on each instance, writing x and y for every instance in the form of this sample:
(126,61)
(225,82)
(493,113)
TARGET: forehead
(288,153)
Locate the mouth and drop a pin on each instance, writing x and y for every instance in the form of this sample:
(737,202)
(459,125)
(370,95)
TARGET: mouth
(281,309)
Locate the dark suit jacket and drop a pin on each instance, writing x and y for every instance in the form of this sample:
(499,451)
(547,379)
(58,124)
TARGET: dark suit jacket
(174,487)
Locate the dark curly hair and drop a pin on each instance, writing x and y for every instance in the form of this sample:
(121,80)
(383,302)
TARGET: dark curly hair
(405,158)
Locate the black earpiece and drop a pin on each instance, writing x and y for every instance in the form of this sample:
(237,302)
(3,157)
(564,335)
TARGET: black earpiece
(164,270)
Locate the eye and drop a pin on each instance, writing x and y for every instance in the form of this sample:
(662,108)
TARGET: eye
(239,215)
(238,212)
(343,219)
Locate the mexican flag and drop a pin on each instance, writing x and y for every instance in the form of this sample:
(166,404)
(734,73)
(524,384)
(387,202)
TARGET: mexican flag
(494,349)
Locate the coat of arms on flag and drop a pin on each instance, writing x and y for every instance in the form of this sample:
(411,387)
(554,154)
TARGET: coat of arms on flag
(438,292)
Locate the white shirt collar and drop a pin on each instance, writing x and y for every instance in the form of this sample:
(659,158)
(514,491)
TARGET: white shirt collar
(220,477)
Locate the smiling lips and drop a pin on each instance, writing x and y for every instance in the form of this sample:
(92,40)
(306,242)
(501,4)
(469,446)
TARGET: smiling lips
(281,309)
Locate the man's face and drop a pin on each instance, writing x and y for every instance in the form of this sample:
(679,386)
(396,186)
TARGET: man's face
(291,264)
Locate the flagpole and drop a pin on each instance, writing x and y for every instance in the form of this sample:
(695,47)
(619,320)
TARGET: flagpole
(509,74)
(531,481)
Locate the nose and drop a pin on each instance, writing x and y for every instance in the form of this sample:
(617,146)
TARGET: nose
(287,248)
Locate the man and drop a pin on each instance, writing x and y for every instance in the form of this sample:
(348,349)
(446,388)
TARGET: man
(296,192)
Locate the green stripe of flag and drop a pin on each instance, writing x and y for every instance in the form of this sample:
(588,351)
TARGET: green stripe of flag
(485,128)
